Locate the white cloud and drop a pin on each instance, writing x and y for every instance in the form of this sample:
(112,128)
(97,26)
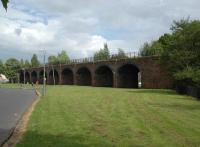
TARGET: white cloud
(81,27)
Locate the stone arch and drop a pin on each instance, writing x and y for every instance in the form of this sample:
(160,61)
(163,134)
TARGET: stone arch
(104,76)
(27,77)
(83,76)
(53,74)
(127,76)
(41,75)
(21,77)
(34,77)
(67,77)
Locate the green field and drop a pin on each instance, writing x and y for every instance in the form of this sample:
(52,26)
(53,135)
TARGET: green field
(89,116)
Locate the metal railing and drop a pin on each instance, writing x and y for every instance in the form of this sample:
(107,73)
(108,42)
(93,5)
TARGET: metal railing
(111,57)
(99,58)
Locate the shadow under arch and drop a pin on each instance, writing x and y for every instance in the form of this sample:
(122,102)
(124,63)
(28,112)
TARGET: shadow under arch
(41,76)
(53,75)
(83,76)
(34,77)
(27,77)
(67,77)
(21,76)
(103,76)
(127,76)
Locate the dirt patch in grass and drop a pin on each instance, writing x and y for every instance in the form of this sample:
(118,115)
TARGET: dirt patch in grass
(21,126)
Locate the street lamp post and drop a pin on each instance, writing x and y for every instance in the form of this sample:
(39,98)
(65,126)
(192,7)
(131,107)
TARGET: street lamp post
(24,76)
(44,77)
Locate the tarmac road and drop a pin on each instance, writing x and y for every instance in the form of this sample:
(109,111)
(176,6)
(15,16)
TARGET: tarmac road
(13,103)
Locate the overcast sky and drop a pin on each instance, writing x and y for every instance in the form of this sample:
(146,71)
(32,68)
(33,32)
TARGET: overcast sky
(82,26)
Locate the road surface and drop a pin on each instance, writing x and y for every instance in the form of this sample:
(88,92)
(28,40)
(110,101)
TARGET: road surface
(13,103)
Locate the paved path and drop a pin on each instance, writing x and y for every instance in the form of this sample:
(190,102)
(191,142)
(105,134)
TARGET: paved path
(13,103)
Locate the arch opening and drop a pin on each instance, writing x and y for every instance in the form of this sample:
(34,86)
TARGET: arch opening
(21,77)
(41,74)
(53,75)
(27,77)
(104,77)
(67,77)
(83,77)
(128,76)
(34,77)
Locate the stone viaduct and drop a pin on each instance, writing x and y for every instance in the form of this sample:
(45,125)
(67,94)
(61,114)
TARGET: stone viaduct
(124,73)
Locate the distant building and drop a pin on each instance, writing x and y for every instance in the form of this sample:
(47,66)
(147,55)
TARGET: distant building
(3,79)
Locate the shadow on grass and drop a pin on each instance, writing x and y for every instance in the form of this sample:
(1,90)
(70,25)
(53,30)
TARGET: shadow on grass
(154,91)
(177,106)
(164,92)
(34,139)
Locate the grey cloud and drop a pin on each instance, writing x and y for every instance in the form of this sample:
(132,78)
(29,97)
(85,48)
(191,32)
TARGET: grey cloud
(73,25)
(18,31)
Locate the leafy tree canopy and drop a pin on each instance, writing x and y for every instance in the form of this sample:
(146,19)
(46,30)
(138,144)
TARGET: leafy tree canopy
(102,54)
(22,63)
(150,49)
(179,50)
(12,63)
(2,70)
(5,3)
(27,64)
(182,53)
(63,57)
(52,60)
(120,55)
(11,68)
(34,61)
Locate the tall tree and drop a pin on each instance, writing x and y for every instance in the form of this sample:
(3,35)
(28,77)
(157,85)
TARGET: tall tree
(102,54)
(150,49)
(63,57)
(2,70)
(106,51)
(12,63)
(182,54)
(120,55)
(27,64)
(180,51)
(12,66)
(5,3)
(179,25)
(22,63)
(52,60)
(34,61)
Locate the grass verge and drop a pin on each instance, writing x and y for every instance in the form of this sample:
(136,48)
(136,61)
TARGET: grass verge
(89,116)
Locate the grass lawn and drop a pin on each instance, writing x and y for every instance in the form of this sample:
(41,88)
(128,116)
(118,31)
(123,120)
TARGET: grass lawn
(89,116)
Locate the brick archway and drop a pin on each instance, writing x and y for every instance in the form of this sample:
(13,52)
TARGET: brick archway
(41,76)
(34,76)
(21,77)
(56,76)
(83,76)
(127,76)
(103,76)
(67,77)
(27,77)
